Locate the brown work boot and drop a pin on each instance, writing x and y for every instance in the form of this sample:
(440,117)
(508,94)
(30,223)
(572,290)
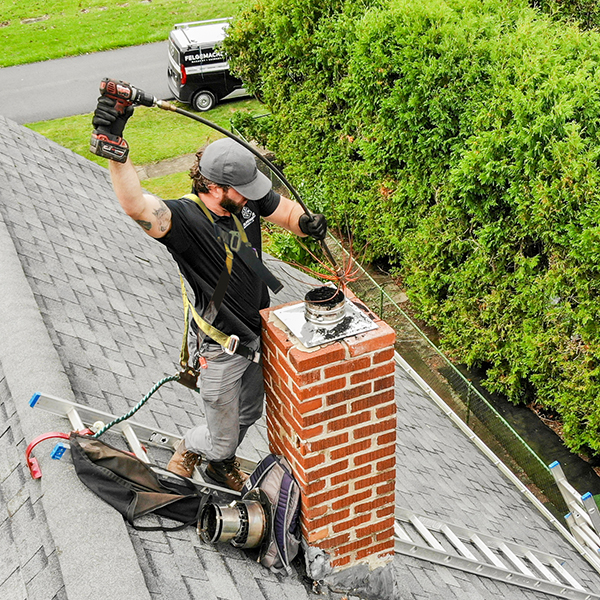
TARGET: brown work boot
(228,473)
(183,461)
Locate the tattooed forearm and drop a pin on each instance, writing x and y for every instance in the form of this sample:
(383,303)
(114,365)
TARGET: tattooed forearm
(163,216)
(144,224)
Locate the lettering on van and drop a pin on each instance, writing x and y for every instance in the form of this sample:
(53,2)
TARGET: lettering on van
(213,56)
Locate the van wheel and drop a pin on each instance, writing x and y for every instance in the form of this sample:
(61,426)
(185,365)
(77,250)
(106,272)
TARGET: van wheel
(204,101)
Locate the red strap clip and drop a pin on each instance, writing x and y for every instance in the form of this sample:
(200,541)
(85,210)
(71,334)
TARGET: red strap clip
(32,462)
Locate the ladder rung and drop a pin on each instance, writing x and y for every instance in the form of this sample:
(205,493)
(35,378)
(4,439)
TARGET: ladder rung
(134,443)
(592,510)
(75,419)
(495,560)
(516,561)
(426,534)
(457,543)
(400,533)
(541,567)
(567,576)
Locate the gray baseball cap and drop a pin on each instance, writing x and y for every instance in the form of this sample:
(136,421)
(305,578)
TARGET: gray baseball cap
(228,163)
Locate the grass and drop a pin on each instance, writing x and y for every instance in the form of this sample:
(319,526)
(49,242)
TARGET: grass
(44,29)
(153,134)
(169,186)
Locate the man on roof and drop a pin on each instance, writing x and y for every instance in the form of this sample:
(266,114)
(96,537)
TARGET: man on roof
(228,190)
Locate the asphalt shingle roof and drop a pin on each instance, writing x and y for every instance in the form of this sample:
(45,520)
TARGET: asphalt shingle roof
(90,311)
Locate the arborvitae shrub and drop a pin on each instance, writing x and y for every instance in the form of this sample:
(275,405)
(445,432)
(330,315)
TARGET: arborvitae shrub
(460,138)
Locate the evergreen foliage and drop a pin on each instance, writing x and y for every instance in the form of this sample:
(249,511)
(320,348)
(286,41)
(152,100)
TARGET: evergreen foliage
(460,138)
(585,12)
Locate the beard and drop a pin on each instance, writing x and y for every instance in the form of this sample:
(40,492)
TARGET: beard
(231,205)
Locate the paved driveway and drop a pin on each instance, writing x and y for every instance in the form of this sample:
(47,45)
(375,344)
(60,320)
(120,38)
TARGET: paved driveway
(69,86)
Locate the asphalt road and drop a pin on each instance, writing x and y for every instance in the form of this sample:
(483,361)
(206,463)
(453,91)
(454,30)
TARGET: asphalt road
(69,86)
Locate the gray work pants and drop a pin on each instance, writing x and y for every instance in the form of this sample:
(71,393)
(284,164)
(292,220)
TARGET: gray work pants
(232,389)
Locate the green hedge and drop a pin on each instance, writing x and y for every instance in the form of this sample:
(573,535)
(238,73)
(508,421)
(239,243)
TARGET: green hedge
(459,138)
(585,12)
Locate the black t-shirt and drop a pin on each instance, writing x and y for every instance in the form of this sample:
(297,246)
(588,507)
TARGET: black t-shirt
(201,258)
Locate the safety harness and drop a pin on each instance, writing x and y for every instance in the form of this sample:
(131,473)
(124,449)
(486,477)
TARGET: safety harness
(233,242)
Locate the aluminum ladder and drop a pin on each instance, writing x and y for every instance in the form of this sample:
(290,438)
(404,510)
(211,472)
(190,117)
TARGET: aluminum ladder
(136,435)
(460,548)
(584,518)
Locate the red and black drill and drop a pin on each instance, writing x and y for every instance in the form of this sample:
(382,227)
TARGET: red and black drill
(103,142)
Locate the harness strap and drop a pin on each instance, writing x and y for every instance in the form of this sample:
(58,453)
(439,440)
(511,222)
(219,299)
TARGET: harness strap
(240,244)
(231,343)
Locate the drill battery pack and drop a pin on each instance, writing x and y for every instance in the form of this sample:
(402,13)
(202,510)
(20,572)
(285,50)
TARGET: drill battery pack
(109,146)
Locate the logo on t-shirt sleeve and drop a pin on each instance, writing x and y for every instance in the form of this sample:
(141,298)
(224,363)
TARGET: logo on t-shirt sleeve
(248,216)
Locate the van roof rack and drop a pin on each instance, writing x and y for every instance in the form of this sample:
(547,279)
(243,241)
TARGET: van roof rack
(195,23)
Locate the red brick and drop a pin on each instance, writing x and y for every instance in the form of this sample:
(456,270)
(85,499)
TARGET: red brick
(313,487)
(386,511)
(372,374)
(349,421)
(324,415)
(383,384)
(383,356)
(350,524)
(373,528)
(348,366)
(379,478)
(374,455)
(330,469)
(287,373)
(329,495)
(312,391)
(312,432)
(374,428)
(278,337)
(376,503)
(386,438)
(304,361)
(329,442)
(351,475)
(353,546)
(349,393)
(314,535)
(334,541)
(340,562)
(315,511)
(384,465)
(313,460)
(371,341)
(332,517)
(377,549)
(374,400)
(306,406)
(349,501)
(385,535)
(386,411)
(350,449)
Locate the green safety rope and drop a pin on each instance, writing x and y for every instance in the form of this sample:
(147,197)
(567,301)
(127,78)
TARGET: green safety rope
(138,405)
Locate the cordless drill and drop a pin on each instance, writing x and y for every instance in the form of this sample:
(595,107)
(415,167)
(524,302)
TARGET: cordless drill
(104,143)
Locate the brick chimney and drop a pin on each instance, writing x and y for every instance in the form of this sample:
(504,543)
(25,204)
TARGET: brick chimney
(331,412)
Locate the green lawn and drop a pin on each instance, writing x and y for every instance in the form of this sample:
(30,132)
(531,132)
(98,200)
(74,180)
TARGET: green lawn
(44,29)
(153,135)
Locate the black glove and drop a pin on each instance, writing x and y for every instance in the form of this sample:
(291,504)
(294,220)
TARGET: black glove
(313,225)
(106,116)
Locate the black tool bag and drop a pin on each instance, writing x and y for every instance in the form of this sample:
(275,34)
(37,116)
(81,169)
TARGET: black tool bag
(133,487)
